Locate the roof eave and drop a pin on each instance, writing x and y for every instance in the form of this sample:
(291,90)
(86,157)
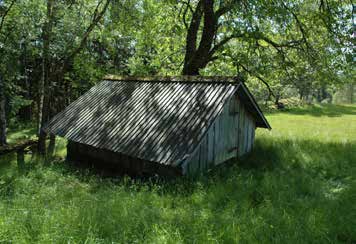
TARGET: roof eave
(258,109)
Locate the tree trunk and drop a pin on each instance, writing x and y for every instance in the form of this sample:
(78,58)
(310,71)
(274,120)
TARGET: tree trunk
(45,82)
(2,114)
(277,103)
(197,58)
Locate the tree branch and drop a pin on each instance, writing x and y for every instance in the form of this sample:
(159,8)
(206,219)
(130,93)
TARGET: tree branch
(299,24)
(271,93)
(96,18)
(188,7)
(226,8)
(276,45)
(257,36)
(224,41)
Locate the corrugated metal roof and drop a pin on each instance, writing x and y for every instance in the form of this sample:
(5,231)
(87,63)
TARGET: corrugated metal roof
(156,121)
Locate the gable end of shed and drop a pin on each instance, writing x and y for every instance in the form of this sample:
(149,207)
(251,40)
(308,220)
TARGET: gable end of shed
(230,135)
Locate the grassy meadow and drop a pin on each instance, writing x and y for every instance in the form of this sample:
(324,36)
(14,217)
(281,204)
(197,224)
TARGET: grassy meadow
(297,186)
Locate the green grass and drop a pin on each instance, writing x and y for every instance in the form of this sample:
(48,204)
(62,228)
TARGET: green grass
(298,186)
(23,132)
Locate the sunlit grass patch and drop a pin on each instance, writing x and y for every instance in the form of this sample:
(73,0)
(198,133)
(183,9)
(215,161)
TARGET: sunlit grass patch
(26,131)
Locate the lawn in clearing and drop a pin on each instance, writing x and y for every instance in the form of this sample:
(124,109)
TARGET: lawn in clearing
(298,185)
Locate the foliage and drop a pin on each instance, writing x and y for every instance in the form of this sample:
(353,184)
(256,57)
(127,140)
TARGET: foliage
(297,186)
(159,40)
(301,49)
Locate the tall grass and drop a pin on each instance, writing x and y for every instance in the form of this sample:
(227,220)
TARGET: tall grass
(297,186)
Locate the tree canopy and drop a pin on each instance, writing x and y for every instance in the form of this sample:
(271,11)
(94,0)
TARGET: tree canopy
(52,51)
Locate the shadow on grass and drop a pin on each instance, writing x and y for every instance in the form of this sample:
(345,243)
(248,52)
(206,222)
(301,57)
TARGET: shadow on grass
(285,190)
(305,179)
(330,110)
(302,163)
(295,186)
(332,159)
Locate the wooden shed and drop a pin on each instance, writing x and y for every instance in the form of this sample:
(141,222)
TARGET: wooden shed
(164,125)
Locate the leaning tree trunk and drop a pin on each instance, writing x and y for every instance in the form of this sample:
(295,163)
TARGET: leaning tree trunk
(2,114)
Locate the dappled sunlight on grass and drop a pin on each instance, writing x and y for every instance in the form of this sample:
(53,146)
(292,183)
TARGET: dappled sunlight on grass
(297,186)
(27,132)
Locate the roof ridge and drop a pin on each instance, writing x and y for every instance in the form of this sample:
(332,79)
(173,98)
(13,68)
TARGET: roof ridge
(181,78)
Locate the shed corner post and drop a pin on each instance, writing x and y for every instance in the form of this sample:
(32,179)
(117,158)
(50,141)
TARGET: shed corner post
(184,167)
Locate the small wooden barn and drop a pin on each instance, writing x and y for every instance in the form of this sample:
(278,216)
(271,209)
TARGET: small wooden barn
(164,125)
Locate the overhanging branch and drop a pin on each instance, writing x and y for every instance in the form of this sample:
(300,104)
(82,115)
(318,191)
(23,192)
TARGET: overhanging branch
(271,93)
(257,36)
(96,18)
(226,8)
(299,24)
(224,41)
(185,11)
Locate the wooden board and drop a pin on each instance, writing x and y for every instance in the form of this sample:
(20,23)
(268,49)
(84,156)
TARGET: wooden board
(230,135)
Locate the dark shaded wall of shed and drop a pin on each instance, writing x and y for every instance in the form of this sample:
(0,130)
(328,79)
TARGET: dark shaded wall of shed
(116,163)
(231,135)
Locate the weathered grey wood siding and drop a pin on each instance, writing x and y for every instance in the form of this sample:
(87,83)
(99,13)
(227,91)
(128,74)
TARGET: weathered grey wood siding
(246,132)
(230,135)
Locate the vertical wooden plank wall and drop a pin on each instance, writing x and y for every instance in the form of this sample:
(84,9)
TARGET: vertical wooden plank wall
(216,145)
(247,135)
(241,135)
(230,135)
